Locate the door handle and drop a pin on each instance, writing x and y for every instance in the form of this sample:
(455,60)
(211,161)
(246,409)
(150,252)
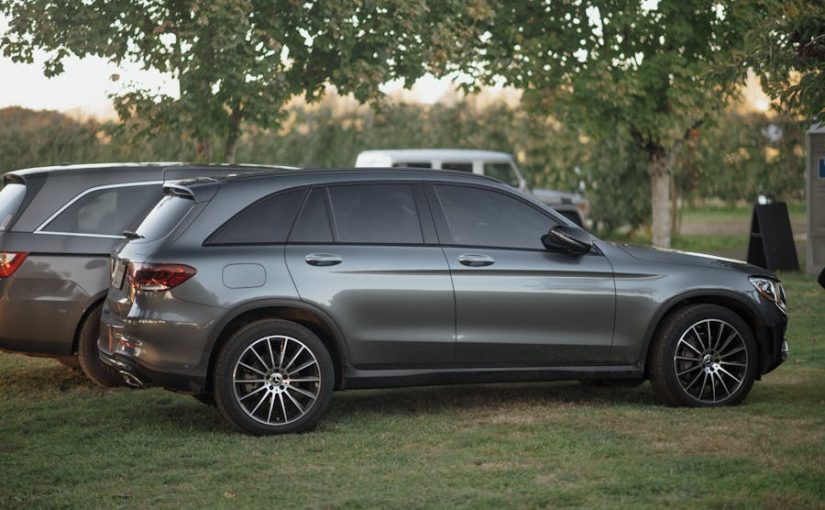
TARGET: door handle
(323,259)
(476,260)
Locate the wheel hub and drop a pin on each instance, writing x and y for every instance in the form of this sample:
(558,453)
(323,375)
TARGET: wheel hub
(276,382)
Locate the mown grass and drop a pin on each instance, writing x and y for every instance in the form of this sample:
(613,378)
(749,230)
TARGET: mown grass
(66,444)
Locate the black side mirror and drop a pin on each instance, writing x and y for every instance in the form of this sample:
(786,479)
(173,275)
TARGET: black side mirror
(572,240)
(822,278)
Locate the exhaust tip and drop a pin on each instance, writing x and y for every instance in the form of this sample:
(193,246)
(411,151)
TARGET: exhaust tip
(131,379)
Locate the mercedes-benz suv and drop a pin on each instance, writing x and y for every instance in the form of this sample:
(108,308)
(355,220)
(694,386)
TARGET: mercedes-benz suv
(269,292)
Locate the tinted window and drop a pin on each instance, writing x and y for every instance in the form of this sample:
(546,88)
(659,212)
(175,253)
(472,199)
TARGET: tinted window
(266,221)
(503,172)
(165,216)
(312,225)
(375,213)
(461,167)
(413,164)
(107,211)
(478,217)
(11,196)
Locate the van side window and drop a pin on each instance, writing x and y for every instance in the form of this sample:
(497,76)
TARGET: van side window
(412,164)
(107,211)
(460,167)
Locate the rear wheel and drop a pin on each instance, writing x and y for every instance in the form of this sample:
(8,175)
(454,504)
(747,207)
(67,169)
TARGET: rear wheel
(705,356)
(87,354)
(273,377)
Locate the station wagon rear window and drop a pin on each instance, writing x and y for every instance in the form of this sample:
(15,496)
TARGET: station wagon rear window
(11,196)
(106,211)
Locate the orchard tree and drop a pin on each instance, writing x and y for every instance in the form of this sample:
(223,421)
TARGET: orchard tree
(653,70)
(787,50)
(241,61)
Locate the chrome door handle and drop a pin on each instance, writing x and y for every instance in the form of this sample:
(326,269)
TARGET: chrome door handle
(476,260)
(323,259)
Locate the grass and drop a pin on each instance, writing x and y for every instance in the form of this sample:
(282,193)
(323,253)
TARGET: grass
(66,444)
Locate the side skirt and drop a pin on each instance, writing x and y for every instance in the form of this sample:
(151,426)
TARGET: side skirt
(354,378)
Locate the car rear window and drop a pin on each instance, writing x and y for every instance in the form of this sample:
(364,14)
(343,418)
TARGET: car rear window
(11,196)
(164,217)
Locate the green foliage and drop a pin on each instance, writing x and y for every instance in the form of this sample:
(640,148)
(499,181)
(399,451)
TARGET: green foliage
(241,60)
(787,49)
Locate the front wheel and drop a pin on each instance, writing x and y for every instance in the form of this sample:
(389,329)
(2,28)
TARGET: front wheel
(705,356)
(273,377)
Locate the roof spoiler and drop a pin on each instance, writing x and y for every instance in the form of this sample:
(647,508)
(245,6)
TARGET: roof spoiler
(201,189)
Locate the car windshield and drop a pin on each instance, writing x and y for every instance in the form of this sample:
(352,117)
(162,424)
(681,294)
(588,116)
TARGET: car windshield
(11,196)
(164,217)
(503,172)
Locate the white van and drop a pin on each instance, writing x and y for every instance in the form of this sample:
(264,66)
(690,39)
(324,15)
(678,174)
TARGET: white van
(499,165)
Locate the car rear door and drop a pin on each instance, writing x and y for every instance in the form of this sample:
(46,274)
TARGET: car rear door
(518,304)
(367,255)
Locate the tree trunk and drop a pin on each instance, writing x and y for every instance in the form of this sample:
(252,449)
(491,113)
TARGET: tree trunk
(674,206)
(203,149)
(660,199)
(233,134)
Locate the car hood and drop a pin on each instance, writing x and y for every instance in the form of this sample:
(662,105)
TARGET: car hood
(663,256)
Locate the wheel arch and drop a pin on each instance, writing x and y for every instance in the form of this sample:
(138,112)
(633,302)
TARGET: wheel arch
(734,302)
(96,300)
(309,316)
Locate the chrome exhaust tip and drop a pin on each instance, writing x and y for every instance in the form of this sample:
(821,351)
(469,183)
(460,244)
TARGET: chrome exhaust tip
(131,379)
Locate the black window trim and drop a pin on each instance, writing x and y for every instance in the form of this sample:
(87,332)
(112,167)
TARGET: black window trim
(42,228)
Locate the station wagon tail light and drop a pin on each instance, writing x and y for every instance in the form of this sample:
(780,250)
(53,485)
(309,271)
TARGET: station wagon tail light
(9,262)
(158,277)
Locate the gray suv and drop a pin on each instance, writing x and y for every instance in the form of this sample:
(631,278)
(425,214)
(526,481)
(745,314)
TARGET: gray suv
(269,292)
(57,228)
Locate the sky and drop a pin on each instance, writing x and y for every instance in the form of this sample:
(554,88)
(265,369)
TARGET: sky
(84,87)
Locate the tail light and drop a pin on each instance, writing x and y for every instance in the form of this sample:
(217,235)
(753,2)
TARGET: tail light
(158,277)
(9,262)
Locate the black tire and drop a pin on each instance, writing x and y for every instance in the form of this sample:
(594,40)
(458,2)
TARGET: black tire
(281,396)
(680,361)
(87,354)
(612,383)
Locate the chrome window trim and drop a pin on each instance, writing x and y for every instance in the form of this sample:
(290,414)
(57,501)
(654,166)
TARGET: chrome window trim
(42,228)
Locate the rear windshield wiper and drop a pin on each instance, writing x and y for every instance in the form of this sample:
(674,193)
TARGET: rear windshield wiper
(128,234)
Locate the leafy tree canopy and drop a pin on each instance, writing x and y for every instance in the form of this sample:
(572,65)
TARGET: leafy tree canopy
(787,49)
(242,60)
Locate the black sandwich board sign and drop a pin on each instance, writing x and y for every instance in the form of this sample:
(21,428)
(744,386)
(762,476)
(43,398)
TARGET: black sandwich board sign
(771,243)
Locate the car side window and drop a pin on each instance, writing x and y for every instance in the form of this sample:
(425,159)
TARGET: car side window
(312,225)
(375,214)
(481,217)
(107,211)
(267,221)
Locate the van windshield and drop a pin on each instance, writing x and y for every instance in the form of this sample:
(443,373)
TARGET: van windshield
(11,196)
(165,216)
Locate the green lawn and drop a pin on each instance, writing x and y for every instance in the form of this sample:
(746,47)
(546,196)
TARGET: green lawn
(66,444)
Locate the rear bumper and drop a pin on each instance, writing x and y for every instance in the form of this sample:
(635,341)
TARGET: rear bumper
(136,375)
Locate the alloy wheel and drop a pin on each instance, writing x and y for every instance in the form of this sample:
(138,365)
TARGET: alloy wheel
(276,380)
(711,361)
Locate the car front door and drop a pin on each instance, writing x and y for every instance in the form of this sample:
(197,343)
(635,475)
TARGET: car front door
(518,304)
(367,254)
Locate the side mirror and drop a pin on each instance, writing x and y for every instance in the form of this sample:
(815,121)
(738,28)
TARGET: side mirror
(572,240)
(822,278)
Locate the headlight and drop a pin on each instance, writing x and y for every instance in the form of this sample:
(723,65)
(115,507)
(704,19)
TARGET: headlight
(771,290)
